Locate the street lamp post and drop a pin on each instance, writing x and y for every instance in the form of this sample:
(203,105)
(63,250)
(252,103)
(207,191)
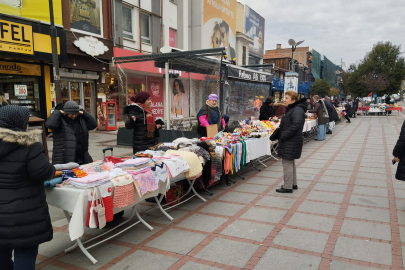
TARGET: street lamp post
(55,60)
(294,46)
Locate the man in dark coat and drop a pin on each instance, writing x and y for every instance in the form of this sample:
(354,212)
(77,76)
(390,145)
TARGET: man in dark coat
(70,128)
(355,107)
(24,215)
(319,109)
(290,139)
(266,110)
(141,120)
(333,116)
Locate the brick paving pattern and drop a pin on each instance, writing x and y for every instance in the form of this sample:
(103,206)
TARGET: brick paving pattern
(348,213)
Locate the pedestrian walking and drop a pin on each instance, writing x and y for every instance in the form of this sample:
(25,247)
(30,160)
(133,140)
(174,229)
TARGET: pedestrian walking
(333,116)
(141,120)
(266,110)
(355,107)
(24,215)
(210,114)
(290,139)
(323,117)
(399,154)
(70,128)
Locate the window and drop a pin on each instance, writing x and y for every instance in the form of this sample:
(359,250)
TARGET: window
(127,22)
(145,28)
(244,56)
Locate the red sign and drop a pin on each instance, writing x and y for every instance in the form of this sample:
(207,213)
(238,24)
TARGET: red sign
(172,38)
(155,89)
(20,90)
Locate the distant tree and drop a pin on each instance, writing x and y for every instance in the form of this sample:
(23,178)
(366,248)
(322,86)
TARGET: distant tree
(334,92)
(320,88)
(384,66)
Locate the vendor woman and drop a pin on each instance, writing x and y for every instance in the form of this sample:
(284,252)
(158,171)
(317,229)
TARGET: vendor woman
(210,114)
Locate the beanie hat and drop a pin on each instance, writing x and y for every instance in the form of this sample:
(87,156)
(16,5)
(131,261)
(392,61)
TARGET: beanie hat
(141,97)
(14,117)
(213,97)
(71,107)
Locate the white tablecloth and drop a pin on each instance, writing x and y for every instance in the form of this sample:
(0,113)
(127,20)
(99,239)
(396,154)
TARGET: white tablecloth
(75,201)
(309,124)
(257,148)
(376,110)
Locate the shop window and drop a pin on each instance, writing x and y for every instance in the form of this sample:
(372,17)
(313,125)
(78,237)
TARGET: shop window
(145,28)
(127,22)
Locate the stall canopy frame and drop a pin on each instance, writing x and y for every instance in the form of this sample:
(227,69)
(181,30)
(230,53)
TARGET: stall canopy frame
(196,61)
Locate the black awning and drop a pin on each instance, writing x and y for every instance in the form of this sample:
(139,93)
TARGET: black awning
(250,75)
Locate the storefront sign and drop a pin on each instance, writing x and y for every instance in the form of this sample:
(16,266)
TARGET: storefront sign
(155,89)
(19,68)
(16,38)
(248,75)
(91,46)
(254,28)
(20,90)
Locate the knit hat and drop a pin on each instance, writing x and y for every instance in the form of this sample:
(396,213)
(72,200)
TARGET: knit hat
(14,117)
(213,97)
(141,97)
(71,107)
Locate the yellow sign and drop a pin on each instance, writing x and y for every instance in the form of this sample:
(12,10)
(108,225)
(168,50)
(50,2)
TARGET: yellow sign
(37,10)
(16,37)
(53,94)
(19,68)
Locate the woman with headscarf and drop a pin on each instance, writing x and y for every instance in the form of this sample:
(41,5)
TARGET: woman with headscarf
(24,214)
(210,114)
(141,120)
(320,109)
(266,110)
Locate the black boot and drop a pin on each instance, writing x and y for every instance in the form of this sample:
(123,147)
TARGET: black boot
(329,132)
(294,186)
(282,190)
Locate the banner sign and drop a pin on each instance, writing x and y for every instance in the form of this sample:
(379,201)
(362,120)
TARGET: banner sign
(249,75)
(254,28)
(155,89)
(20,90)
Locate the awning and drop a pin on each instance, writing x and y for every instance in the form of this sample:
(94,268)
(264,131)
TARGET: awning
(248,74)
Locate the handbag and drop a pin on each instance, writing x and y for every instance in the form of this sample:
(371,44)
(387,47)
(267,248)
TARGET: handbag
(275,135)
(93,221)
(325,113)
(100,210)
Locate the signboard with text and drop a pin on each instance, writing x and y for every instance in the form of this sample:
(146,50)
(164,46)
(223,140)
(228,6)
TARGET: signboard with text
(248,75)
(20,90)
(155,89)
(16,37)
(254,28)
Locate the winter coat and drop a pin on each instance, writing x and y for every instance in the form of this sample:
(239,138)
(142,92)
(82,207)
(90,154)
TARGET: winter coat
(333,116)
(319,113)
(24,215)
(399,152)
(266,112)
(355,105)
(64,138)
(140,141)
(349,110)
(290,140)
(279,109)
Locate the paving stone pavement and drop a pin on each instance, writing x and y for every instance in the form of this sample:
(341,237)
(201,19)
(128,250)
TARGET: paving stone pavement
(348,213)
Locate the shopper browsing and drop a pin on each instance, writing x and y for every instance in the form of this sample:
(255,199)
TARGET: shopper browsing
(322,115)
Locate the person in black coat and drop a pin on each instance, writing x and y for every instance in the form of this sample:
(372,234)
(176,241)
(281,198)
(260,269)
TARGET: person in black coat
(141,120)
(290,139)
(333,116)
(24,215)
(70,128)
(266,110)
(399,154)
(355,107)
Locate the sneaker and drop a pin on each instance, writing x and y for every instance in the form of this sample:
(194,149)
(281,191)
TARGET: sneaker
(294,186)
(282,190)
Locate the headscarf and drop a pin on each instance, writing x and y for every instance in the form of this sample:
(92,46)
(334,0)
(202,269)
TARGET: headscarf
(14,117)
(140,99)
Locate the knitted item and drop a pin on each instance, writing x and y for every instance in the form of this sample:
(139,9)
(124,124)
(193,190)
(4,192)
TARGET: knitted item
(58,174)
(112,159)
(145,183)
(66,174)
(243,161)
(53,182)
(66,166)
(79,173)
(122,180)
(71,107)
(14,117)
(123,196)
(193,162)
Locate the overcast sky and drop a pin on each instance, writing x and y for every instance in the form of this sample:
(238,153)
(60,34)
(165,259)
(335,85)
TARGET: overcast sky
(345,29)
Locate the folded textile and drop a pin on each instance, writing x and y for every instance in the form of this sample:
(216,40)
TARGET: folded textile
(133,162)
(79,173)
(58,174)
(91,178)
(112,159)
(192,161)
(66,166)
(106,167)
(122,180)
(160,171)
(117,172)
(176,165)
(145,183)
(89,185)
(123,196)
(53,182)
(66,174)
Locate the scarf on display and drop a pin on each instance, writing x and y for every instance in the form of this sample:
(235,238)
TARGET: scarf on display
(150,120)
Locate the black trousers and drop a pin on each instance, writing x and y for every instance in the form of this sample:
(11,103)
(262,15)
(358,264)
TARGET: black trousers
(347,117)
(24,258)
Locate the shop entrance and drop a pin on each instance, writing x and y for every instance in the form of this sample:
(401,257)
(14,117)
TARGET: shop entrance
(82,92)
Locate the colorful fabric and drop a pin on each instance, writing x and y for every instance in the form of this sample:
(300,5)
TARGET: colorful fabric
(66,174)
(193,163)
(228,159)
(53,182)
(145,183)
(122,180)
(176,165)
(160,171)
(243,161)
(79,173)
(112,159)
(123,196)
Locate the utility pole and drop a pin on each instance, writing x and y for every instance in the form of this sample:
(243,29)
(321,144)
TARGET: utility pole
(55,59)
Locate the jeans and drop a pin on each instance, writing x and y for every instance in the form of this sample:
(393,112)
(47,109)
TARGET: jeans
(290,173)
(321,132)
(24,258)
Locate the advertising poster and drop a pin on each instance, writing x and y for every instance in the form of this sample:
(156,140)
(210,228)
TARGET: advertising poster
(291,83)
(172,38)
(37,10)
(85,15)
(219,25)
(254,27)
(179,104)
(155,89)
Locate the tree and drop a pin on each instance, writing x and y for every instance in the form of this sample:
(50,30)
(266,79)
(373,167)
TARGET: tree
(383,64)
(334,92)
(320,87)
